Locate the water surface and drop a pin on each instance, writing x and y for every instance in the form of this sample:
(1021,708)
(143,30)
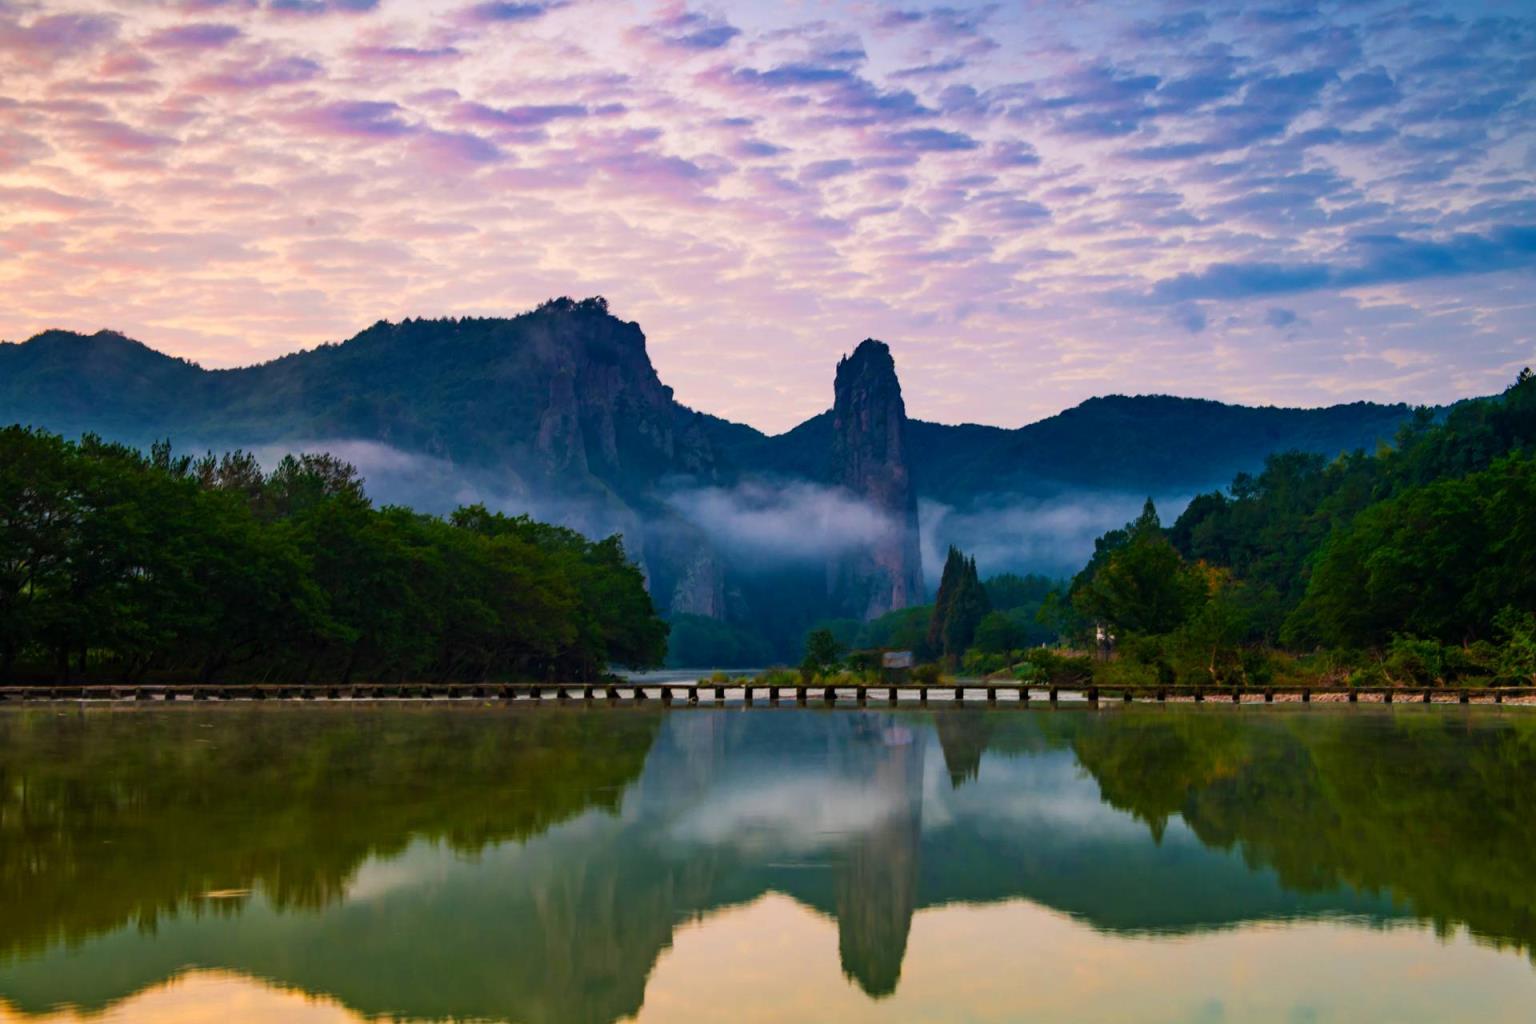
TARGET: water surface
(1178,863)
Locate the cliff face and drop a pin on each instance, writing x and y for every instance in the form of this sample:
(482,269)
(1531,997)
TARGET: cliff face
(869,458)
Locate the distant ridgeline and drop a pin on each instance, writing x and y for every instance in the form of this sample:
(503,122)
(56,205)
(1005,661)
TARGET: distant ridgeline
(559,412)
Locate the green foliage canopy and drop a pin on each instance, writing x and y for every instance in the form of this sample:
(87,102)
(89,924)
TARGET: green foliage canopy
(157,566)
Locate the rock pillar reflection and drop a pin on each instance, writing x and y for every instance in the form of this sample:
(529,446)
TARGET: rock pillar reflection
(877,885)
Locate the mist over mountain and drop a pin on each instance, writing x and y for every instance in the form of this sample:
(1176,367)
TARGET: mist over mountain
(558,412)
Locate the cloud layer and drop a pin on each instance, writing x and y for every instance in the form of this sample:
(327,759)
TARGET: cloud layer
(781,522)
(1300,205)
(1051,535)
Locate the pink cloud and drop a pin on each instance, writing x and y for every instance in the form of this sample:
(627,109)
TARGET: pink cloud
(17,149)
(44,199)
(104,135)
(124,61)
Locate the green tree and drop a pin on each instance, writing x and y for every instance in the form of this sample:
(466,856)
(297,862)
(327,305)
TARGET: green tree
(116,561)
(959,608)
(1140,583)
(1439,560)
(905,629)
(822,651)
(39,515)
(999,633)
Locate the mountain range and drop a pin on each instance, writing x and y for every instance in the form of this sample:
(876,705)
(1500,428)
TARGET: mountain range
(559,412)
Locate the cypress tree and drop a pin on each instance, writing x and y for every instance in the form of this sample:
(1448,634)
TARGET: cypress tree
(954,568)
(961,605)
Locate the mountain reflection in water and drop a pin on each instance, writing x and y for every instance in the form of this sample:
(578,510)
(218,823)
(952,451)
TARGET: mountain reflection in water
(539,865)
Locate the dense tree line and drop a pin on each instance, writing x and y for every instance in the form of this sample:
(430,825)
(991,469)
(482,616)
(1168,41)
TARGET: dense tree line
(1414,563)
(116,562)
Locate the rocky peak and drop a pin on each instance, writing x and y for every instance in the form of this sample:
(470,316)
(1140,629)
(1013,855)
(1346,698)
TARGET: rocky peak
(869,458)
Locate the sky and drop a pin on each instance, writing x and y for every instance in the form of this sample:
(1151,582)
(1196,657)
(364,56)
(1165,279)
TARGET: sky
(1033,203)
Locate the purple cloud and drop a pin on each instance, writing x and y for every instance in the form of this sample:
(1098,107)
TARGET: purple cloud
(501,11)
(1380,259)
(242,76)
(531,116)
(825,170)
(407,54)
(317,7)
(931,140)
(357,119)
(1014,154)
(932,70)
(44,40)
(688,30)
(197,36)
(456,150)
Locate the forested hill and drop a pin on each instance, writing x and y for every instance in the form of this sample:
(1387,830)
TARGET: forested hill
(1147,443)
(566,389)
(569,385)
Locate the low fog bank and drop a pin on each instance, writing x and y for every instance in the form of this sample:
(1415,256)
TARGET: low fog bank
(425,483)
(765,523)
(1012,533)
(762,523)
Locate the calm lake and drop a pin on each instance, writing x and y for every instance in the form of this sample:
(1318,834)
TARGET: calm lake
(1180,863)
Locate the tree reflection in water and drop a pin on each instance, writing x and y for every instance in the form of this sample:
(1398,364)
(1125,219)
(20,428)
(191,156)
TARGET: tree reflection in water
(533,865)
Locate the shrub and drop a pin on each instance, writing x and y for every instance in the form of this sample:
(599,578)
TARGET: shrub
(1060,669)
(1258,666)
(1517,656)
(1371,674)
(1412,661)
(1125,672)
(928,675)
(981,663)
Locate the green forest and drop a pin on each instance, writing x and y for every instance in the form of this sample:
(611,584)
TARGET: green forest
(119,564)
(1411,565)
(1415,564)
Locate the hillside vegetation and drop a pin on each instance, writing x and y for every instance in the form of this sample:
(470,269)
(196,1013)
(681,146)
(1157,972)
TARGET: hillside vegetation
(131,566)
(1412,564)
